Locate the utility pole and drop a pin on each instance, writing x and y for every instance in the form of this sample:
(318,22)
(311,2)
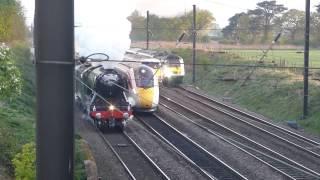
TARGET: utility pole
(147,29)
(194,33)
(306,61)
(54,52)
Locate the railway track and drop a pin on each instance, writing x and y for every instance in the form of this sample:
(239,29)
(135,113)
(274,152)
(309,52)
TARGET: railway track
(204,160)
(257,122)
(269,156)
(284,168)
(256,133)
(136,163)
(167,158)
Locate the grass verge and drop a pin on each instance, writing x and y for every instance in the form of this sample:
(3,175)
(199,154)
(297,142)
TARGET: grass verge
(17,119)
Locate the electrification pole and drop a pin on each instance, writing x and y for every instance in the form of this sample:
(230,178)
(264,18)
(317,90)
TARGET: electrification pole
(194,33)
(147,29)
(306,61)
(54,50)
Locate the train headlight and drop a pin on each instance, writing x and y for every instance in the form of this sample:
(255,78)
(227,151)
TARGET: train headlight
(167,71)
(111,107)
(98,115)
(143,71)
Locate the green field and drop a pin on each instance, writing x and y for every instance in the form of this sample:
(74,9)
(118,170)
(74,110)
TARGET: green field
(288,57)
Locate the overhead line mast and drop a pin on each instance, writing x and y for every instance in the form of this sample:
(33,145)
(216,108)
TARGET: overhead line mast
(306,61)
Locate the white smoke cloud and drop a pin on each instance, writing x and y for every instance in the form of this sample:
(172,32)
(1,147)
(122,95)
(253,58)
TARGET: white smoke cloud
(102,27)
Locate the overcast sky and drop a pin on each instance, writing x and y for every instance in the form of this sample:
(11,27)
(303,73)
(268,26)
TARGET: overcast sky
(222,10)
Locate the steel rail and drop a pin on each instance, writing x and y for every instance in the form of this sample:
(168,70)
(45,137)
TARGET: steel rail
(127,169)
(298,136)
(221,173)
(281,166)
(256,127)
(163,174)
(203,172)
(300,166)
(116,154)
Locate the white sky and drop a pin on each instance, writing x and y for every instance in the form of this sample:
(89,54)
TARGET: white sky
(221,9)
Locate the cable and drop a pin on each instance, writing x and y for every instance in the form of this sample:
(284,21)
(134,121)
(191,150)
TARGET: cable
(221,65)
(206,29)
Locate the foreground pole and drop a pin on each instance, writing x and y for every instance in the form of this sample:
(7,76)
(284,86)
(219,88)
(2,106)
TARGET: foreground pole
(194,32)
(54,48)
(306,61)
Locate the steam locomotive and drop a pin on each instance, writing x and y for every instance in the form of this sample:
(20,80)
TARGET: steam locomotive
(108,92)
(101,91)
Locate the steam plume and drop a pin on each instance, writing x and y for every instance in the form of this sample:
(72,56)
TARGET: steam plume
(102,27)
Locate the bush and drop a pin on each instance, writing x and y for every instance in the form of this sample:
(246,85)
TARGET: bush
(7,149)
(24,163)
(10,76)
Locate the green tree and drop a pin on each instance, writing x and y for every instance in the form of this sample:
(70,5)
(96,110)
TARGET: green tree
(204,21)
(12,26)
(318,8)
(255,26)
(10,76)
(230,30)
(238,29)
(137,25)
(268,10)
(25,163)
(293,23)
(244,27)
(314,29)
(169,28)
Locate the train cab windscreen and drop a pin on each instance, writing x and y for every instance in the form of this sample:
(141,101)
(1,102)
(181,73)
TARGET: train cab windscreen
(173,60)
(144,77)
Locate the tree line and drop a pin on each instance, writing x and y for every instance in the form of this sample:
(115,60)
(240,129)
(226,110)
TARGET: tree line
(256,26)
(170,28)
(262,24)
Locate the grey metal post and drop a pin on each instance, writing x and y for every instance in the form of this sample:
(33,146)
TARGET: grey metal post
(194,32)
(54,47)
(147,29)
(306,61)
